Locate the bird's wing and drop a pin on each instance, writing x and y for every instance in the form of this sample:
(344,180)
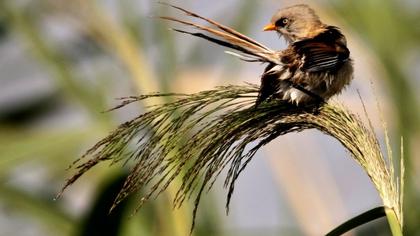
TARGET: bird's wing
(319,57)
(227,37)
(326,52)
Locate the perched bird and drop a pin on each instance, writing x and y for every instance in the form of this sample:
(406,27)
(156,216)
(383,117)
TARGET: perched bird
(315,66)
(317,58)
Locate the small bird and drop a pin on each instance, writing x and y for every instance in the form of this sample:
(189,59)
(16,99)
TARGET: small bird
(315,66)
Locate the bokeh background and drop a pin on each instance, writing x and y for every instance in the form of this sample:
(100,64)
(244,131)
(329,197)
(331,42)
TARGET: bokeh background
(63,62)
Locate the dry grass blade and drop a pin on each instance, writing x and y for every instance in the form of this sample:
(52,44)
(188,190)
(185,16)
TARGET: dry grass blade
(198,135)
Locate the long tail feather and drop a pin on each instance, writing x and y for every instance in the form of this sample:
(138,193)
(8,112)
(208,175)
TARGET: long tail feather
(227,37)
(230,38)
(220,26)
(222,43)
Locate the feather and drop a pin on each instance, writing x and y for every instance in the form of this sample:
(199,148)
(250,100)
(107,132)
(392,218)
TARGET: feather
(243,57)
(218,41)
(220,26)
(227,37)
(323,53)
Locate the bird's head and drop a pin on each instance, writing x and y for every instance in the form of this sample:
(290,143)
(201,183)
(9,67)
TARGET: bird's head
(295,23)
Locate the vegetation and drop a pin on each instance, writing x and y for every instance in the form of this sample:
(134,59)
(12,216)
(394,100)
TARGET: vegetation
(222,123)
(111,49)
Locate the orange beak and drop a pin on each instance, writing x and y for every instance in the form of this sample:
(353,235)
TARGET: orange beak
(269,27)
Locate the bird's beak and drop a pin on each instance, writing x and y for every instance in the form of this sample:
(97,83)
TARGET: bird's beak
(270,27)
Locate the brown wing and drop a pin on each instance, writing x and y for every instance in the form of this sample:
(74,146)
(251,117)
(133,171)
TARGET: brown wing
(325,53)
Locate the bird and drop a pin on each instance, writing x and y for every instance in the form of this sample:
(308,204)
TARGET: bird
(314,66)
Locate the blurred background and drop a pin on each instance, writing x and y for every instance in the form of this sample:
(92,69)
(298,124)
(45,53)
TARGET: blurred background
(63,62)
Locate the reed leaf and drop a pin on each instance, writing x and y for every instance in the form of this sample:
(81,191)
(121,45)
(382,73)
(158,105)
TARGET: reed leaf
(197,136)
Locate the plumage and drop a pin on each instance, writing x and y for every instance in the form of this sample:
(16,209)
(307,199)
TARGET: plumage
(315,66)
(321,66)
(227,37)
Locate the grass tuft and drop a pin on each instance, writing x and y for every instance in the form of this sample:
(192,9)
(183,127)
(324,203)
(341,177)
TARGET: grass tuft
(197,136)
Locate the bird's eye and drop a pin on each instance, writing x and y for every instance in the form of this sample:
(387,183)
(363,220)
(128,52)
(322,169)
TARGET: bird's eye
(282,22)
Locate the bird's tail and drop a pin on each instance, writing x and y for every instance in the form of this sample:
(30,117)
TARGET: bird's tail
(249,49)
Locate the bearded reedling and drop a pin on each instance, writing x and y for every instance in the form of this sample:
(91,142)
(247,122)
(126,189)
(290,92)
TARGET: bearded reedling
(315,66)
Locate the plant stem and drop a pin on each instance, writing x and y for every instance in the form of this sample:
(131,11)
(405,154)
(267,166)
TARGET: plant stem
(393,222)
